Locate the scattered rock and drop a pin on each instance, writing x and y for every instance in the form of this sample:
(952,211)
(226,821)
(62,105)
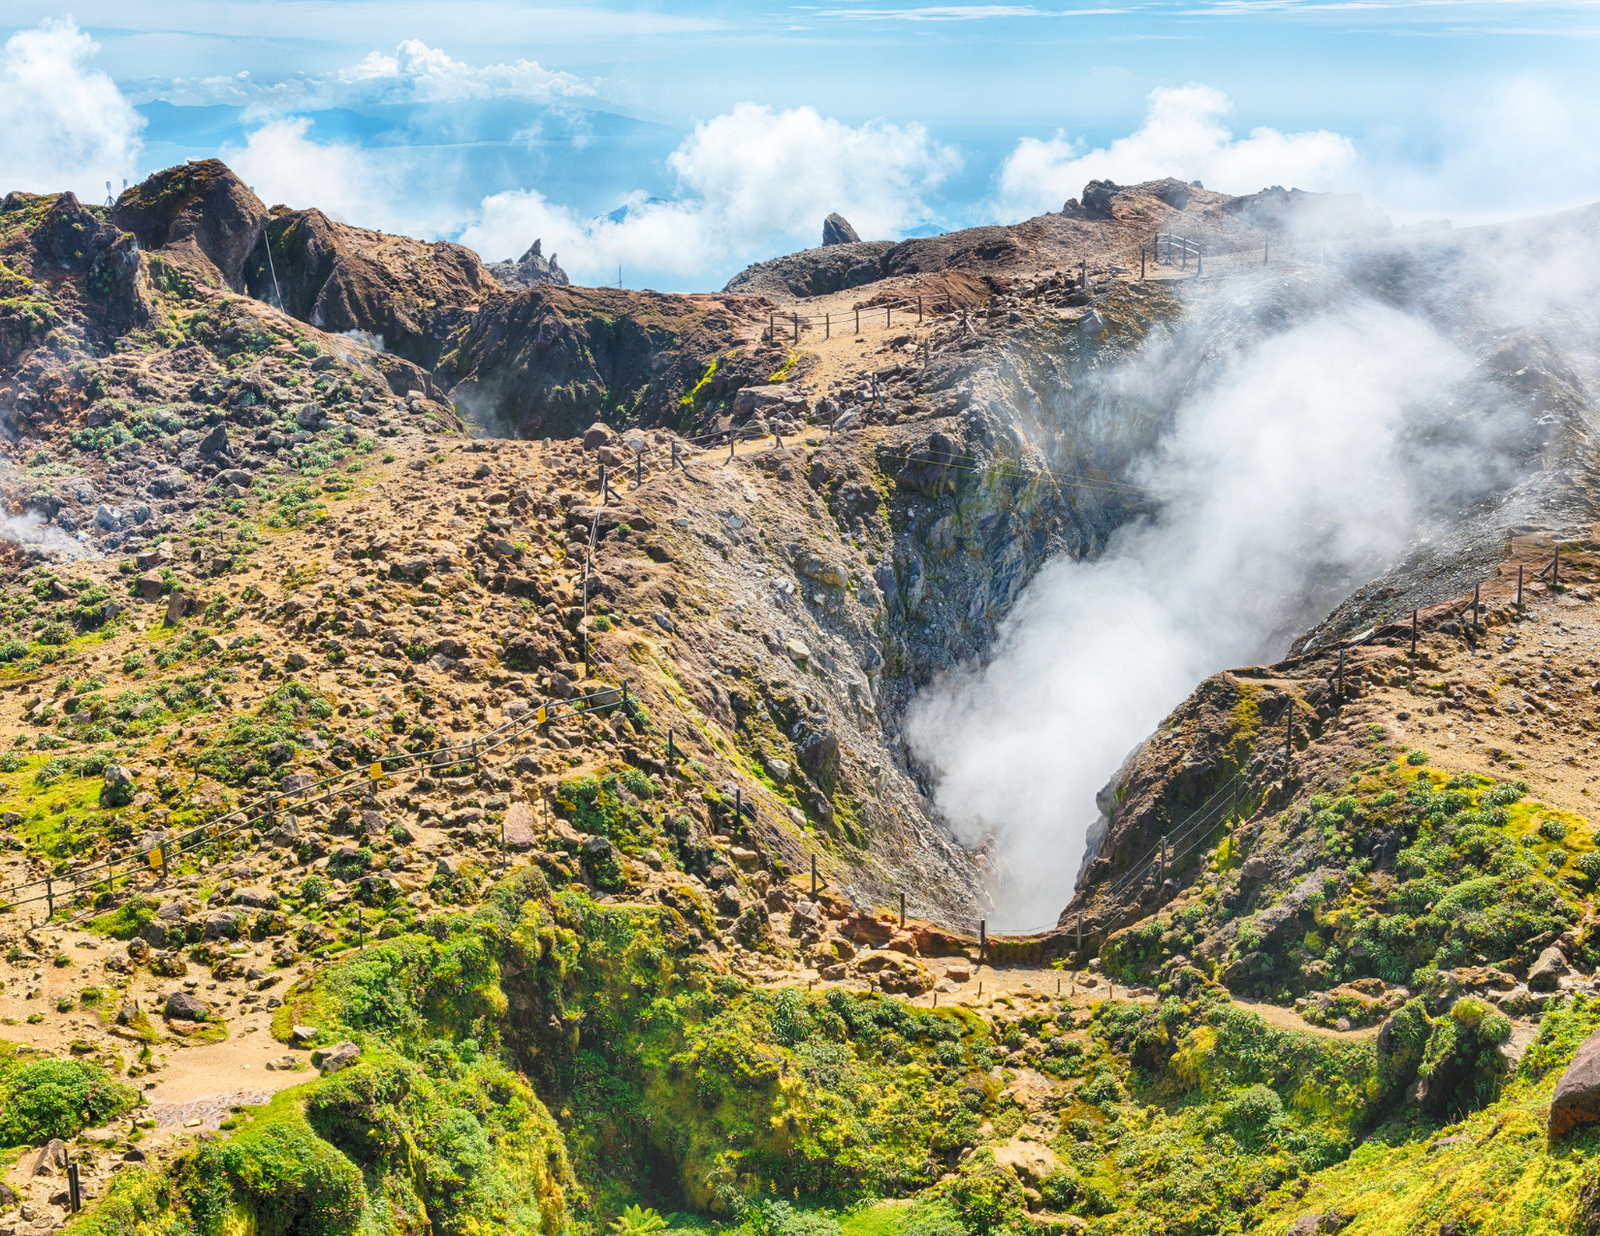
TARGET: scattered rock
(339,1056)
(181,1006)
(1546,972)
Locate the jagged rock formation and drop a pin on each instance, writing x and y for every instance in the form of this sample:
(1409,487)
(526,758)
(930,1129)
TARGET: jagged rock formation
(530,270)
(200,216)
(836,230)
(340,278)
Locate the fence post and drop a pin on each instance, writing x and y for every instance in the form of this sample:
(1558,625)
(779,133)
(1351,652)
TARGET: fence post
(1555,569)
(1083,273)
(738,810)
(74,1190)
(919,309)
(672,754)
(983,939)
(49,899)
(676,462)
(772,329)
(858,321)
(1519,586)
(1199,260)
(1474,604)
(638,468)
(477,760)
(797,328)
(902,910)
(887,311)
(827,326)
(813,876)
(602,484)
(1414,633)
(1141,261)
(1341,674)
(1080,935)
(1185,262)
(1288,738)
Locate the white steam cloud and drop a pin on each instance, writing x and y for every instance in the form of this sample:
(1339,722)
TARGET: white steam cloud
(1183,135)
(63,125)
(748,180)
(1298,463)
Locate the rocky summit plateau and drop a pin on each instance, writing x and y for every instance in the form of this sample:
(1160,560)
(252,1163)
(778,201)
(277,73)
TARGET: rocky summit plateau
(456,768)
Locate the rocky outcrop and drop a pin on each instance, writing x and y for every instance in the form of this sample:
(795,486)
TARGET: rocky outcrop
(836,267)
(200,216)
(1313,216)
(553,360)
(836,230)
(405,296)
(529,270)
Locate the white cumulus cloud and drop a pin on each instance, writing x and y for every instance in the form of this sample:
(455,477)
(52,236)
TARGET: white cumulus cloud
(1184,134)
(750,183)
(63,125)
(422,74)
(369,188)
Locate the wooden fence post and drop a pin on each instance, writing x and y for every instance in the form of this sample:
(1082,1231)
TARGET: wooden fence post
(1341,673)
(919,309)
(858,321)
(983,940)
(902,910)
(1475,604)
(1414,632)
(1519,586)
(813,877)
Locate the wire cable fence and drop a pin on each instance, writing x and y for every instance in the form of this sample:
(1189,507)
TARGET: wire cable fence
(467,754)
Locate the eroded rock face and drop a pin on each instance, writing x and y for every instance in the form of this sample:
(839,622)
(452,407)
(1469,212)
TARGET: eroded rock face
(340,278)
(199,215)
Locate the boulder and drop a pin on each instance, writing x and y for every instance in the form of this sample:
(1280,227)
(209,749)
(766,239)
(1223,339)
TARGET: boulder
(519,828)
(597,435)
(117,787)
(1577,1096)
(302,1034)
(339,1056)
(836,230)
(52,1154)
(182,1006)
(1546,972)
(216,443)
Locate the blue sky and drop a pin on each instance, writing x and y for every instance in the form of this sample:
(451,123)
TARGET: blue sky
(728,130)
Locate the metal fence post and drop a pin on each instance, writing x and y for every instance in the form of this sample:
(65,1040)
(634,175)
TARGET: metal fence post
(983,939)
(813,875)
(1414,632)
(902,910)
(1519,586)
(49,899)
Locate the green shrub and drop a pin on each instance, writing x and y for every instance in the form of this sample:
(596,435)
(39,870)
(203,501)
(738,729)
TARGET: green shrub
(638,1221)
(293,1181)
(59,1098)
(778,1218)
(1552,829)
(1417,757)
